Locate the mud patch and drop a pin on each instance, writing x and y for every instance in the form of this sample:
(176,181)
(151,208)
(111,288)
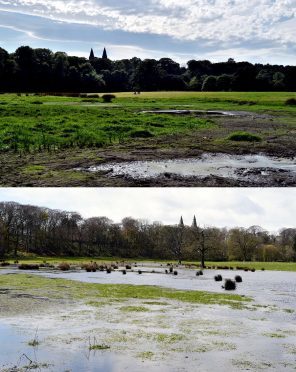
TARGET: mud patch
(257,169)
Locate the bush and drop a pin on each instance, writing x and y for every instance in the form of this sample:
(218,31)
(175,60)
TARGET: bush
(107,98)
(291,102)
(238,279)
(124,272)
(3,264)
(229,285)
(200,272)
(142,134)
(64,266)
(109,270)
(244,136)
(128,267)
(197,273)
(218,278)
(91,267)
(176,273)
(28,267)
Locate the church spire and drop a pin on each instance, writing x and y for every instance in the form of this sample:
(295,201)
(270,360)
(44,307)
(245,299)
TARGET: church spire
(92,55)
(105,56)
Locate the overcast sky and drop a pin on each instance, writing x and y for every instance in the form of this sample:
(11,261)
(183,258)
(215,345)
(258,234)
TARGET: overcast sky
(254,30)
(270,208)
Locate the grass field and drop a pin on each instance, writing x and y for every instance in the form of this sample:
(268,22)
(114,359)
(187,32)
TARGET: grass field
(41,137)
(274,266)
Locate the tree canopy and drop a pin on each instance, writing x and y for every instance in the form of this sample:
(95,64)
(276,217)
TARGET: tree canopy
(41,70)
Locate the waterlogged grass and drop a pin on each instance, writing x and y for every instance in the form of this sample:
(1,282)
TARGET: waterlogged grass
(31,124)
(61,289)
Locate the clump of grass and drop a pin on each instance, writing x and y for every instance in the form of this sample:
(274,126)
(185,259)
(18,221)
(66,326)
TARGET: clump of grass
(28,267)
(238,279)
(4,263)
(229,285)
(218,278)
(99,347)
(140,272)
(141,134)
(136,309)
(91,267)
(175,272)
(124,272)
(64,266)
(244,137)
(33,343)
(128,267)
(107,98)
(290,102)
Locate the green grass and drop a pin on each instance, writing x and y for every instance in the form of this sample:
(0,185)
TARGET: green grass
(244,136)
(65,122)
(274,266)
(61,288)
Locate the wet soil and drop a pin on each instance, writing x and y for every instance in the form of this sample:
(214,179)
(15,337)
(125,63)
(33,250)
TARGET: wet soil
(279,140)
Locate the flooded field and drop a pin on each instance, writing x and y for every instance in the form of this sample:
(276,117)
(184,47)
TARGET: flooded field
(257,169)
(118,334)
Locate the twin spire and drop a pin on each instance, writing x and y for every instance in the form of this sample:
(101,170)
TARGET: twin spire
(92,54)
(194,223)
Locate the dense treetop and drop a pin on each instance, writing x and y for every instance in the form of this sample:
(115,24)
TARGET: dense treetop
(27,229)
(41,70)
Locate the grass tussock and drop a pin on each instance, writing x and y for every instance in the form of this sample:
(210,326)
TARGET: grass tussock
(242,136)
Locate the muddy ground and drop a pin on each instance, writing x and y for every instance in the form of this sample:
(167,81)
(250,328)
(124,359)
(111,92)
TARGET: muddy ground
(58,168)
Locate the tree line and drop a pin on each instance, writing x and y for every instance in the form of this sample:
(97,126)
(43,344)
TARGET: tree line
(30,230)
(41,70)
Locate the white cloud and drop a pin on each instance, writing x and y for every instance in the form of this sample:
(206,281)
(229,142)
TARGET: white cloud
(227,21)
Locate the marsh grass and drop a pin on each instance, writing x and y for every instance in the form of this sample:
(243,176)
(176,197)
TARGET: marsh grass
(62,288)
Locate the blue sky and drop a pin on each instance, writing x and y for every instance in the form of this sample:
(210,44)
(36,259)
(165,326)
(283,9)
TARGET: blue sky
(255,30)
(271,208)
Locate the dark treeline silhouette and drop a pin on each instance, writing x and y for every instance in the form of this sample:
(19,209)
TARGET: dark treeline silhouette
(30,230)
(41,70)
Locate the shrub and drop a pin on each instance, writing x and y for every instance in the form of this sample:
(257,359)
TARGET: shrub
(244,136)
(171,269)
(91,267)
(238,279)
(108,270)
(175,272)
(141,134)
(140,272)
(290,102)
(200,272)
(197,273)
(28,267)
(64,266)
(3,264)
(128,267)
(253,270)
(229,285)
(124,272)
(218,278)
(107,98)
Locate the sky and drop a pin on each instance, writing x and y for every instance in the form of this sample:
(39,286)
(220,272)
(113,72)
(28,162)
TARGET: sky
(270,208)
(260,31)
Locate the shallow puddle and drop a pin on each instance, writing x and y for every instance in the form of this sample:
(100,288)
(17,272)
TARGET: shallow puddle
(205,113)
(254,168)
